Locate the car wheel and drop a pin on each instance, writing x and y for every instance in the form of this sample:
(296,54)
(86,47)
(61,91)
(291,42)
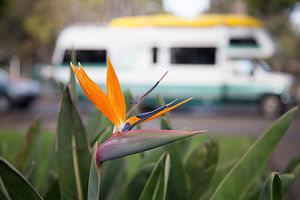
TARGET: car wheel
(5,104)
(270,106)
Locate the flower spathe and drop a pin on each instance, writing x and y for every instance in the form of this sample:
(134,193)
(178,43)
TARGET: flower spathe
(113,106)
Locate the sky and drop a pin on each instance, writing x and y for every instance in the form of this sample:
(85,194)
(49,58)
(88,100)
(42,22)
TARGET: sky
(192,8)
(186,8)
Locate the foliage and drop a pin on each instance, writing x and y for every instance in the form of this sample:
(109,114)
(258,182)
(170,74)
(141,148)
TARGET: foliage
(28,28)
(259,7)
(188,169)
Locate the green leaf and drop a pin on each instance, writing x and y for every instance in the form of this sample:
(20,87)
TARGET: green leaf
(160,101)
(291,172)
(131,108)
(177,187)
(72,77)
(15,183)
(112,175)
(218,177)
(136,171)
(156,185)
(29,148)
(30,159)
(165,123)
(287,181)
(73,151)
(128,99)
(133,164)
(94,181)
(166,175)
(292,165)
(240,177)
(128,176)
(131,142)
(61,87)
(103,135)
(272,189)
(53,191)
(3,192)
(96,125)
(46,163)
(136,185)
(3,196)
(201,166)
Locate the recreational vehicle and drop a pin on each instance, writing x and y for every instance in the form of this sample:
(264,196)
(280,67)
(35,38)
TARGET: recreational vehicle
(213,58)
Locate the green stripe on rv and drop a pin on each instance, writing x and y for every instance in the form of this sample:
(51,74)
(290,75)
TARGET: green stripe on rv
(204,93)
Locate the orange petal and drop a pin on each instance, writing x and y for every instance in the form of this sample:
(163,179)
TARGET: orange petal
(166,110)
(100,98)
(114,92)
(95,94)
(81,81)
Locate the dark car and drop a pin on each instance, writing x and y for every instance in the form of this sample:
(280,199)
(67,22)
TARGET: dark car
(17,92)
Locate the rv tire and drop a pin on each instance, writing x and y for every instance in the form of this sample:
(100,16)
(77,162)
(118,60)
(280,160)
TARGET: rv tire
(270,106)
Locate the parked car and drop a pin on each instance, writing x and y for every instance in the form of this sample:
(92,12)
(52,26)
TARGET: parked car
(214,58)
(17,92)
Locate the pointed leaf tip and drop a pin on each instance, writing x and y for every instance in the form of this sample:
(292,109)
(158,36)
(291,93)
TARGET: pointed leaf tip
(130,142)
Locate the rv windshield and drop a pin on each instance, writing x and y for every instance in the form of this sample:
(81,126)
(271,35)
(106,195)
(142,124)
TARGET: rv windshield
(265,66)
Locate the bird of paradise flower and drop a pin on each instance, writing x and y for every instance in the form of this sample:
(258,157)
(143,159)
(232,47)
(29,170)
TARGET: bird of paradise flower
(125,141)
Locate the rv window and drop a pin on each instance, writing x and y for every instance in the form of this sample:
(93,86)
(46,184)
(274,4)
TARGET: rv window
(154,54)
(86,56)
(193,55)
(243,42)
(243,67)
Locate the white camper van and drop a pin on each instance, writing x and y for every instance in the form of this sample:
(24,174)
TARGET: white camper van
(214,58)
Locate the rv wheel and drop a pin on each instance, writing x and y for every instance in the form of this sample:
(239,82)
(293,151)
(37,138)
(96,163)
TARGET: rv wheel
(270,106)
